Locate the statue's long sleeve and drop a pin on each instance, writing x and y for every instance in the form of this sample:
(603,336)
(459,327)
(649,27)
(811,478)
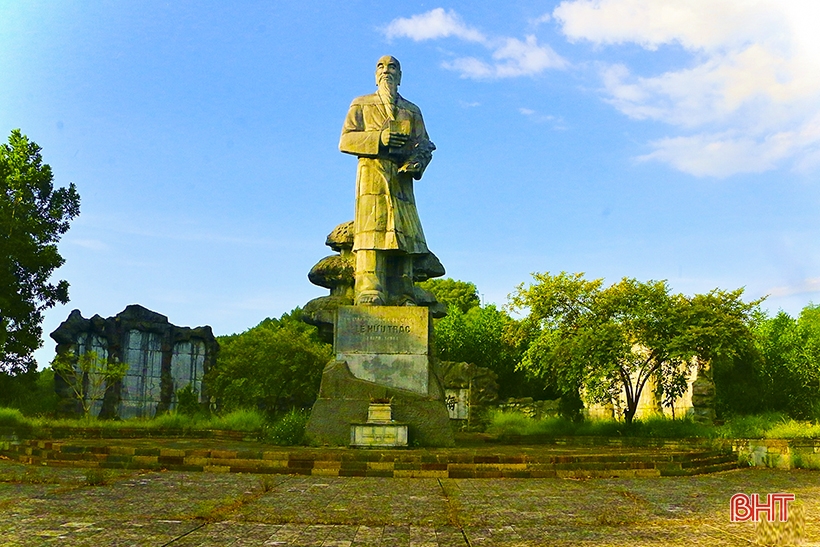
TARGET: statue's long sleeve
(355,138)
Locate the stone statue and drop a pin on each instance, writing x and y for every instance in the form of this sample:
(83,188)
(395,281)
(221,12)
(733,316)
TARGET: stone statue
(387,134)
(378,320)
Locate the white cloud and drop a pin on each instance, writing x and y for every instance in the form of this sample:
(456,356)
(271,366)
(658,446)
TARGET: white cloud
(694,24)
(751,97)
(546,18)
(513,58)
(510,57)
(718,155)
(92,244)
(436,23)
(807,286)
(517,58)
(470,67)
(534,115)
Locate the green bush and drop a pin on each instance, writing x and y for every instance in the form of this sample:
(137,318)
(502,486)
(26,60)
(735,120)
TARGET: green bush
(806,461)
(14,419)
(97,477)
(289,430)
(188,401)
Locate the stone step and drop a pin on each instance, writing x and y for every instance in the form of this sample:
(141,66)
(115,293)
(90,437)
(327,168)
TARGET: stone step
(381,463)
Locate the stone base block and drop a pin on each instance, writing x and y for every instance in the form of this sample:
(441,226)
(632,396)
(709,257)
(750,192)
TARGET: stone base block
(378,435)
(344,400)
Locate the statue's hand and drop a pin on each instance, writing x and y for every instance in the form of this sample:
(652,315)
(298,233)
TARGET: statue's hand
(393,139)
(413,168)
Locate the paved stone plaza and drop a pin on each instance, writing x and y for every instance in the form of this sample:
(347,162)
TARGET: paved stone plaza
(57,506)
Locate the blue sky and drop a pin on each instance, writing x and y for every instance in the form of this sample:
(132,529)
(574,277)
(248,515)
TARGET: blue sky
(652,139)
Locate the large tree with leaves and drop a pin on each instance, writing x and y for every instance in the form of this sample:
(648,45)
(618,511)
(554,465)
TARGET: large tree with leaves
(614,340)
(274,366)
(789,369)
(33,217)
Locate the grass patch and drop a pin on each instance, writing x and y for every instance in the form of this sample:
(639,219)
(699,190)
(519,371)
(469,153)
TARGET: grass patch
(515,423)
(794,429)
(769,425)
(238,420)
(28,475)
(761,426)
(223,509)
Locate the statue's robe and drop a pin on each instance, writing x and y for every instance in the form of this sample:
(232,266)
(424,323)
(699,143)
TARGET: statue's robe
(386,217)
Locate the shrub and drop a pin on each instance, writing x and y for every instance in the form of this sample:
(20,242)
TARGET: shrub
(10,417)
(96,477)
(188,401)
(288,430)
(806,461)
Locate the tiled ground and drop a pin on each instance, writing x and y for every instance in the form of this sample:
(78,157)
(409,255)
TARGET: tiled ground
(52,506)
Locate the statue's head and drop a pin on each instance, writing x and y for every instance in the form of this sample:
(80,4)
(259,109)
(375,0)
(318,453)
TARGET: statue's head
(388,67)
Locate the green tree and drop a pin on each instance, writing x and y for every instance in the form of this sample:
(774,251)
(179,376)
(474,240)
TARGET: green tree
(33,217)
(274,366)
(31,392)
(478,337)
(789,373)
(450,292)
(88,376)
(615,339)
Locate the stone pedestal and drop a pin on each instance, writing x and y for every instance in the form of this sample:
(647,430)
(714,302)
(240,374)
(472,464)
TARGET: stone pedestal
(380,431)
(381,352)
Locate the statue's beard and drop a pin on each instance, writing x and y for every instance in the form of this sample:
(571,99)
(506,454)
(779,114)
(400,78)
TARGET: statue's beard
(388,89)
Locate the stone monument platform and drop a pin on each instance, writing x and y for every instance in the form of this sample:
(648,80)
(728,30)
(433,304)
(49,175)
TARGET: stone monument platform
(381,353)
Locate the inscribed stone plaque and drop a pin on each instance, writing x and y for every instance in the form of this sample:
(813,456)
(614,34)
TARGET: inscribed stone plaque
(381,329)
(386,345)
(457,403)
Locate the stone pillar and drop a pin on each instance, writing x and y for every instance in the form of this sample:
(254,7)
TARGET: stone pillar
(703,397)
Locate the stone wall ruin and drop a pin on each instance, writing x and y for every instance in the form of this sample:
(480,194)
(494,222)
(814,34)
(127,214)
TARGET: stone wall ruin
(162,359)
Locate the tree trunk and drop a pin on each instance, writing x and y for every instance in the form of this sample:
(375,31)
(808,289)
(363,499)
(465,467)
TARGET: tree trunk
(629,413)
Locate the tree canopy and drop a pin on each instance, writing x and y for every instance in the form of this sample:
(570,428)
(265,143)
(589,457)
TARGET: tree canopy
(607,340)
(451,292)
(33,217)
(478,337)
(789,371)
(274,366)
